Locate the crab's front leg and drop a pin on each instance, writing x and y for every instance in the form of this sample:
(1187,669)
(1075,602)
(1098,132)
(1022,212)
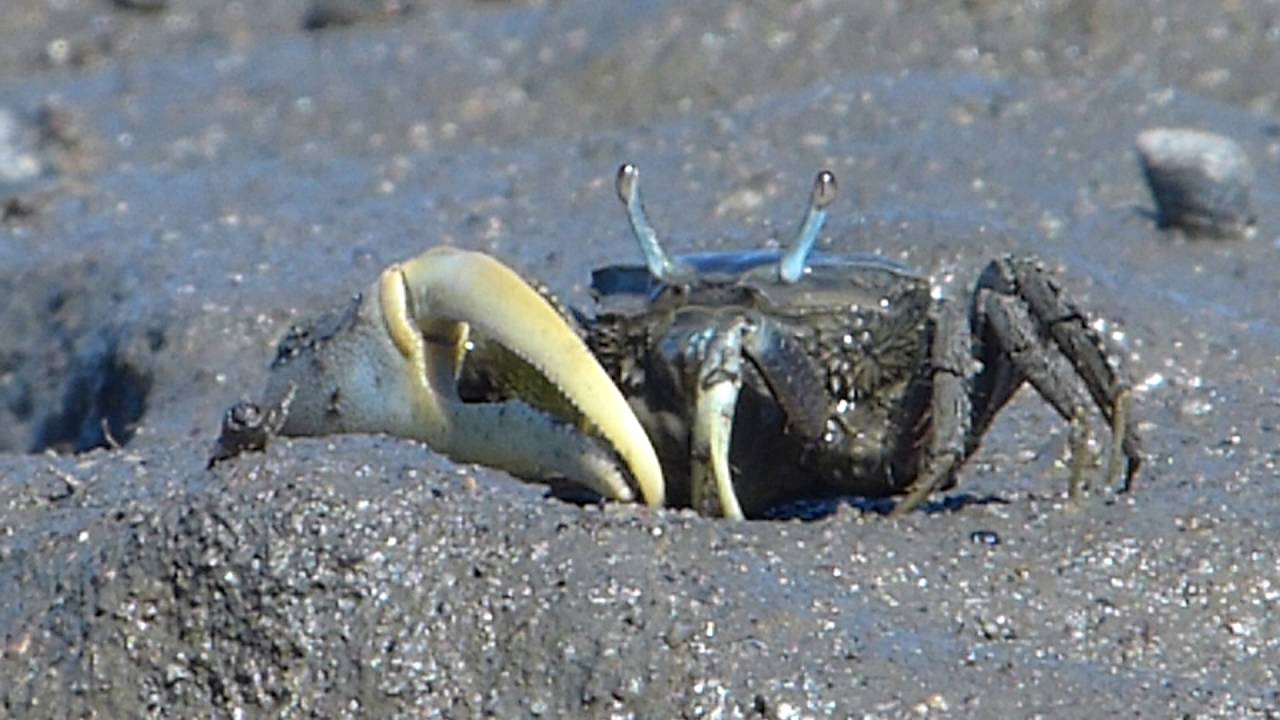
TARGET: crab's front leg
(391,364)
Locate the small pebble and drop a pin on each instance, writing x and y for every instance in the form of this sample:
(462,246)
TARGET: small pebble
(142,5)
(18,161)
(1200,181)
(340,13)
(984,537)
(19,207)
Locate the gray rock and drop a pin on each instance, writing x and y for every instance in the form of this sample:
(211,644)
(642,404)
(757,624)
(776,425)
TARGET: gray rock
(1200,180)
(19,162)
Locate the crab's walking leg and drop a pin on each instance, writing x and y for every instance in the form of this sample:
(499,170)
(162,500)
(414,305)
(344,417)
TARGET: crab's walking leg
(1084,348)
(1047,341)
(1120,428)
(1050,374)
(394,369)
(949,357)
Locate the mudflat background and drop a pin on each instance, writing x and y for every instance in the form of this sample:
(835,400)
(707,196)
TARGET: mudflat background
(180,181)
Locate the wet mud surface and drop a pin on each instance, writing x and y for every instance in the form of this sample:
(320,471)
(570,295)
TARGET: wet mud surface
(180,181)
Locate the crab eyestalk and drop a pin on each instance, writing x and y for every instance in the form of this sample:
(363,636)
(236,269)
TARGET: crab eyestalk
(661,266)
(791,266)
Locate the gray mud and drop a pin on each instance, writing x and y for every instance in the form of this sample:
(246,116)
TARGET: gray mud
(187,178)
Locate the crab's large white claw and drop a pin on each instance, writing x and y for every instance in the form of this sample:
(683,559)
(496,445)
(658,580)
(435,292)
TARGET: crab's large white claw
(391,365)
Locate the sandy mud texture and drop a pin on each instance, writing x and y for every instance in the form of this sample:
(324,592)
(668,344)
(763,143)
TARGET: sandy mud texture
(180,180)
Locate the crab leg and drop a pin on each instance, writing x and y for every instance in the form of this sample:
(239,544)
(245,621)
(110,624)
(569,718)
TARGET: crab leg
(1016,305)
(951,407)
(394,369)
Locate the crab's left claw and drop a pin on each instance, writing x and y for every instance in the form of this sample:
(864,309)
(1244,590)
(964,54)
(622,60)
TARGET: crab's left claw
(391,364)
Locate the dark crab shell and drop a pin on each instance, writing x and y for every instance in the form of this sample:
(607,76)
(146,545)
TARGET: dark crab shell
(752,266)
(833,398)
(767,376)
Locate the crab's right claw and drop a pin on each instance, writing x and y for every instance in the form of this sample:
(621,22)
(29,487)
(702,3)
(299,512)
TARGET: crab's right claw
(391,364)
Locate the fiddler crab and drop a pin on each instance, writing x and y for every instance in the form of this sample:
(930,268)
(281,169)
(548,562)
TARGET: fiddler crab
(731,382)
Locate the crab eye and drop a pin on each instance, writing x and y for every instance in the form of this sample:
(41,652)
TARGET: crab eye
(824,189)
(661,267)
(627,183)
(791,266)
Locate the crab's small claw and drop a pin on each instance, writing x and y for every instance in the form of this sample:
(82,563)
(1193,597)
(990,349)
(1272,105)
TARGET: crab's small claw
(717,359)
(719,383)
(391,364)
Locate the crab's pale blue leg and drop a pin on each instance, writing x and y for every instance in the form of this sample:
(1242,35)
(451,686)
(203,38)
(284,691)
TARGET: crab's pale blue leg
(791,266)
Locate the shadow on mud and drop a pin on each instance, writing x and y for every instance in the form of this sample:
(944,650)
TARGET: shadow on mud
(76,369)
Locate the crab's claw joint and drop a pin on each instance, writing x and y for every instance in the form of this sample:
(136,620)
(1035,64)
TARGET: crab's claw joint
(391,364)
